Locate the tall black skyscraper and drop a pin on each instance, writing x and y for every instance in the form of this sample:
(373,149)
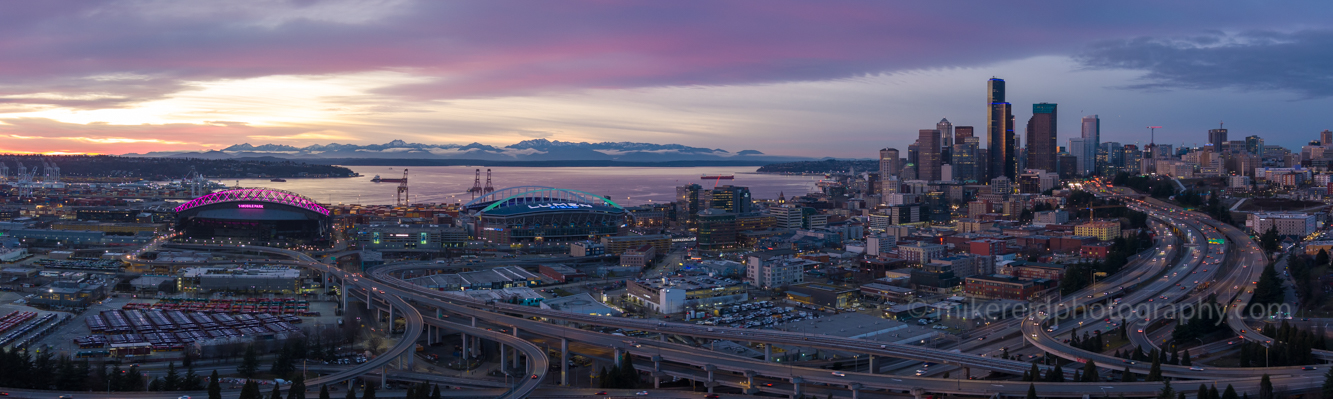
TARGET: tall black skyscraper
(1000,133)
(1041,138)
(928,155)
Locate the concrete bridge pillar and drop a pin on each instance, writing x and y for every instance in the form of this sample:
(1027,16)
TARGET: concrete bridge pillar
(464,353)
(504,358)
(712,382)
(856,390)
(967,373)
(343,290)
(917,392)
(616,360)
(870,360)
(384,376)
(368,294)
(564,362)
(796,387)
(768,352)
(657,372)
(749,382)
(389,327)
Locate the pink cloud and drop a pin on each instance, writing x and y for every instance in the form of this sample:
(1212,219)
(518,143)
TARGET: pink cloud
(38,135)
(499,48)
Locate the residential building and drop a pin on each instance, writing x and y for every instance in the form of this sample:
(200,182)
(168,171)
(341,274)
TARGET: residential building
(1104,231)
(676,294)
(1044,218)
(999,287)
(616,245)
(922,253)
(586,248)
(1288,224)
(638,257)
(770,269)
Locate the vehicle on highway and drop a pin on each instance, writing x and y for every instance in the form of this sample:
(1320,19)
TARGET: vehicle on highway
(839,374)
(1309,368)
(1196,368)
(641,393)
(601,393)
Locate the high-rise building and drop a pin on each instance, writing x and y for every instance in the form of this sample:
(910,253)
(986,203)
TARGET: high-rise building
(1041,149)
(1078,148)
(1092,134)
(964,155)
(1132,159)
(928,155)
(1114,161)
(888,163)
(1218,138)
(731,199)
(945,134)
(1325,138)
(1254,145)
(1000,132)
(687,203)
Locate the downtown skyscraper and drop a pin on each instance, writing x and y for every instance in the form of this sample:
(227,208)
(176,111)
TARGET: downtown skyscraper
(928,155)
(964,156)
(1000,144)
(1041,151)
(1092,137)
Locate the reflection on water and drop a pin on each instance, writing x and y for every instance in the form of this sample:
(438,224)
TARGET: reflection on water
(448,184)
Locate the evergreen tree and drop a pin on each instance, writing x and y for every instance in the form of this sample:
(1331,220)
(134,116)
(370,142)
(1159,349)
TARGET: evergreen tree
(172,381)
(1203,392)
(1185,359)
(1167,392)
(435,392)
(1127,376)
(1090,372)
(1328,379)
(1032,391)
(133,379)
(324,392)
(1035,373)
(191,381)
(277,392)
(1212,393)
(155,384)
(602,378)
(1155,373)
(351,392)
(1270,239)
(214,386)
(411,392)
(297,391)
(1269,289)
(1321,259)
(250,363)
(250,391)
(1229,393)
(1265,387)
(369,393)
(629,377)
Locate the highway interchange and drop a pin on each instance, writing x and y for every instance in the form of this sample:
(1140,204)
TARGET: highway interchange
(1176,271)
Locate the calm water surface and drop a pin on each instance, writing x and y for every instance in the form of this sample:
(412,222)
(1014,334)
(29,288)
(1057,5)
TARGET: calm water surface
(448,184)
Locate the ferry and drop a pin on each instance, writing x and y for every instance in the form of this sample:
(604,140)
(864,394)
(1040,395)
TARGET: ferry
(717,177)
(278,179)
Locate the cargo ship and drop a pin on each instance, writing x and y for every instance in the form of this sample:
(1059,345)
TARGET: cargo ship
(378,179)
(278,179)
(717,177)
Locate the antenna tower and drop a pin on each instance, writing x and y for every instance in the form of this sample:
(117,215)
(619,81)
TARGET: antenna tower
(489,188)
(476,185)
(402,190)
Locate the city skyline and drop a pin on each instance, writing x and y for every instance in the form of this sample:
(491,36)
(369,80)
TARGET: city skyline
(121,77)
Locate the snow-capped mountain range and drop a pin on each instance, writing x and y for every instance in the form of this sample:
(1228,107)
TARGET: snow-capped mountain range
(527,150)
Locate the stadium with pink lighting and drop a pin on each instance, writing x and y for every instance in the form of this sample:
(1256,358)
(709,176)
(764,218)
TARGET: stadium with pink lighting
(255,215)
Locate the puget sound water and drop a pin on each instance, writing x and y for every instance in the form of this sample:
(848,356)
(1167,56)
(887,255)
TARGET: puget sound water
(449,184)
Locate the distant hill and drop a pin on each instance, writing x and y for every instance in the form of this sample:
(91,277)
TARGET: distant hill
(822,166)
(538,151)
(159,168)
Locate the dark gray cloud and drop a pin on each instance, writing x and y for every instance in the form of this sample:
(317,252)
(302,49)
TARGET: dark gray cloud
(1300,62)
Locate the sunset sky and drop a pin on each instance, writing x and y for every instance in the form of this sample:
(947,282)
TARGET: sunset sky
(839,78)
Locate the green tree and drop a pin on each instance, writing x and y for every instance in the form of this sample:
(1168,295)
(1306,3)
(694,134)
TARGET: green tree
(250,391)
(369,393)
(1265,387)
(1167,392)
(324,392)
(1321,259)
(1155,372)
(277,392)
(250,363)
(297,391)
(214,386)
(1328,383)
(1269,289)
(1229,393)
(1203,392)
(602,378)
(1032,391)
(1270,239)
(1185,359)
(1127,376)
(351,392)
(191,381)
(435,393)
(172,381)
(1090,372)
(1212,392)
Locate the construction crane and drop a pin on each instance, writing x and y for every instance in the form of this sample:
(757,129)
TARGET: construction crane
(1152,131)
(476,185)
(1091,210)
(402,190)
(489,188)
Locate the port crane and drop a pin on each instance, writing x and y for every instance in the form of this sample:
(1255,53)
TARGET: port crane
(402,190)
